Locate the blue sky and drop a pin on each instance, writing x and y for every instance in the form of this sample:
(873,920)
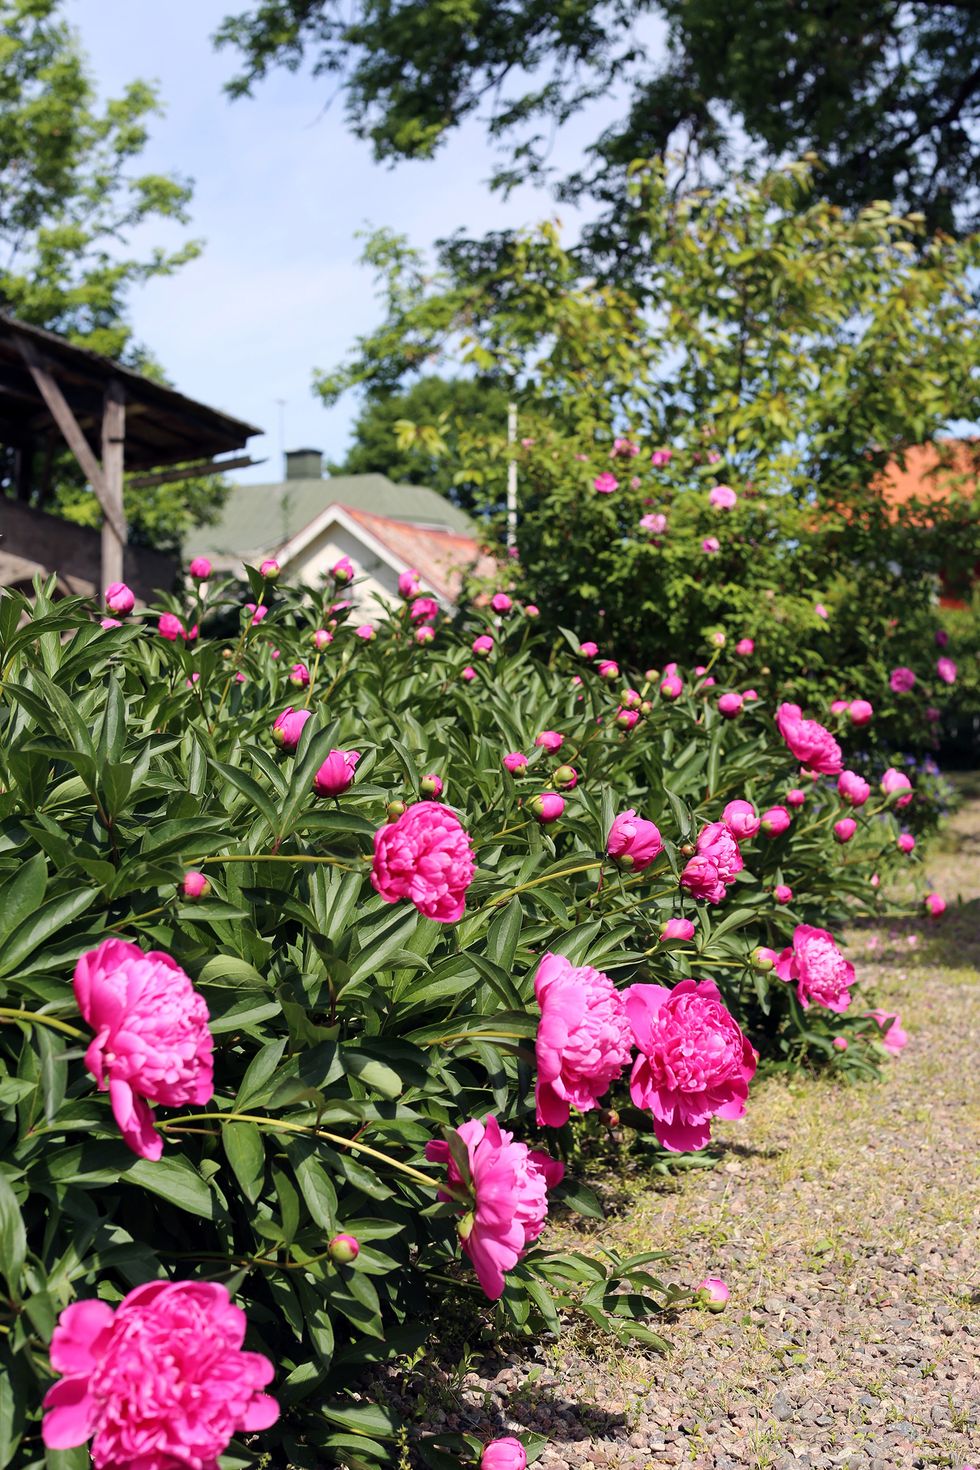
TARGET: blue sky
(281,190)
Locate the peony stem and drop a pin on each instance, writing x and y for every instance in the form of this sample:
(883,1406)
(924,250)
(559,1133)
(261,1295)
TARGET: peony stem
(536,882)
(37,1018)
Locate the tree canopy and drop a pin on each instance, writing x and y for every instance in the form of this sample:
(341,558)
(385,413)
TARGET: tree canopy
(886,93)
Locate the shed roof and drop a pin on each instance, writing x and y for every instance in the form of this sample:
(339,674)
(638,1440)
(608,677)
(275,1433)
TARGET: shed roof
(163,427)
(260,519)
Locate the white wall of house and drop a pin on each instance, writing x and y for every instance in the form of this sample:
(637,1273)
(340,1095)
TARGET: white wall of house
(376,579)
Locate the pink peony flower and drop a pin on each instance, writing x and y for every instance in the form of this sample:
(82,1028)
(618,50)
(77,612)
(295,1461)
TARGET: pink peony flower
(625,448)
(501,603)
(936,904)
(425,633)
(717,843)
(722,497)
(710,545)
(269,569)
(782,893)
(322,639)
(423,610)
(343,570)
(546,807)
(844,829)
(608,669)
(426,857)
(195,884)
(741,820)
(794,797)
(170,627)
(152,1044)
(775,821)
(120,599)
(288,727)
(483,645)
(588,650)
(682,929)
(336,773)
(549,740)
(510,1184)
(654,524)
(695,1063)
(661,457)
(633,841)
(299,676)
(712,1293)
(892,1037)
(905,842)
(583,1039)
(409,583)
(853,788)
(901,680)
(365,631)
(468,674)
(258,611)
(605,483)
(730,705)
(945,668)
(158,1383)
(860,712)
(504,1454)
(893,781)
(822,974)
(745,646)
(515,763)
(810,742)
(672,687)
(200,568)
(702,880)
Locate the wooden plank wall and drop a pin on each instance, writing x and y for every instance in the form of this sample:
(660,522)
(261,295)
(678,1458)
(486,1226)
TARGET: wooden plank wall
(34,538)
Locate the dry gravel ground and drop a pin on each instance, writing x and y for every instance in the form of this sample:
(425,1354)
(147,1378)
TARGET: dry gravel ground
(845,1221)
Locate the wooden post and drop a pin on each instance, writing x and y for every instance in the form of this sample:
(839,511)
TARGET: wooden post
(114,519)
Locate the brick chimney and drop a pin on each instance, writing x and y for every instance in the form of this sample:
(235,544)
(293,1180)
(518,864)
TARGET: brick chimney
(304,464)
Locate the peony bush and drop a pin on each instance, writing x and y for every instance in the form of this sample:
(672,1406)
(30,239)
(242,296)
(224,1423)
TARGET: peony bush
(309,979)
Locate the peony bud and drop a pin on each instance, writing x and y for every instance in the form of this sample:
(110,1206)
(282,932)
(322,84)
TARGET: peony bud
(504,1454)
(608,669)
(730,705)
(170,627)
(565,778)
(343,1249)
(501,603)
(468,674)
(713,1294)
(200,569)
(775,821)
(671,687)
(299,676)
(336,773)
(860,712)
(546,807)
(626,718)
(483,645)
(516,763)
(365,631)
(782,893)
(343,571)
(936,904)
(425,634)
(394,810)
(845,829)
(119,598)
(549,740)
(288,727)
(195,885)
(431,785)
(321,639)
(840,1043)
(588,650)
(409,583)
(744,647)
(795,796)
(532,610)
(763,958)
(269,569)
(676,929)
(906,842)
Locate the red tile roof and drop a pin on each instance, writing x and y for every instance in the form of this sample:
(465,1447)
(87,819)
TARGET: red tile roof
(933,473)
(441,557)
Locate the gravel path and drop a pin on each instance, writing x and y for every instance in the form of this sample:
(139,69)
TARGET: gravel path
(845,1221)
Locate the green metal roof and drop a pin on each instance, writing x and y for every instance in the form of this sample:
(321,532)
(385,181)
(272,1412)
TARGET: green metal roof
(261,518)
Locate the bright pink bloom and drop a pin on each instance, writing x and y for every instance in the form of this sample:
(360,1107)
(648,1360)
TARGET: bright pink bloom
(426,857)
(901,680)
(775,821)
(626,718)
(152,1043)
(820,610)
(160,1382)
(195,884)
(893,1038)
(935,903)
(695,1063)
(822,974)
(409,583)
(794,797)
(722,497)
(702,880)
(844,829)
(501,603)
(343,570)
(546,807)
(741,820)
(717,843)
(344,1249)
(710,545)
(839,706)
(661,457)
(200,568)
(713,1293)
(745,647)
(605,483)
(258,611)
(516,763)
(483,645)
(730,705)
(654,524)
(170,627)
(853,788)
(676,929)
(431,785)
(336,773)
(860,712)
(424,609)
(322,639)
(583,1039)
(299,675)
(672,687)
(906,842)
(840,1043)
(750,696)
(120,599)
(549,740)
(588,650)
(269,569)
(468,674)
(893,781)
(510,1184)
(532,610)
(608,669)
(782,893)
(109,623)
(288,727)
(633,841)
(425,633)
(945,668)
(811,743)
(365,631)
(504,1454)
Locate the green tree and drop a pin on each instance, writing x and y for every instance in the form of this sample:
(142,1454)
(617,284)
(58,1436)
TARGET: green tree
(403,435)
(71,196)
(888,94)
